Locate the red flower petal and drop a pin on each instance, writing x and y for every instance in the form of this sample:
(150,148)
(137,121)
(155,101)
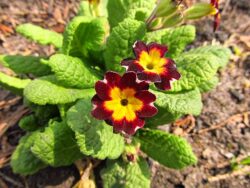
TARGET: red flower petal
(145,96)
(148,111)
(128,80)
(96,100)
(139,47)
(132,127)
(112,78)
(127,62)
(99,112)
(161,48)
(128,127)
(164,84)
(135,66)
(142,86)
(149,76)
(102,90)
(166,79)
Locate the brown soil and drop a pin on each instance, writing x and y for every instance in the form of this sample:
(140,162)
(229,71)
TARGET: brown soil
(224,107)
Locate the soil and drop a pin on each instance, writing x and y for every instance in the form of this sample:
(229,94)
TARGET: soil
(224,110)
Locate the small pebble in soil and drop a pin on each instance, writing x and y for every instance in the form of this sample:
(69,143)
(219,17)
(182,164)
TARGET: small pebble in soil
(236,94)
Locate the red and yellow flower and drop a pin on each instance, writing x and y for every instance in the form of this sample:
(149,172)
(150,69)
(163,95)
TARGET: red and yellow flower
(123,102)
(150,65)
(217,16)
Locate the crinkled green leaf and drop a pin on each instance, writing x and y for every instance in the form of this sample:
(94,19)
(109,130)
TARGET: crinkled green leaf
(47,91)
(94,137)
(56,146)
(176,39)
(40,35)
(118,10)
(28,123)
(120,174)
(209,85)
(222,53)
(194,69)
(25,64)
(72,72)
(120,42)
(169,150)
(172,106)
(23,161)
(155,36)
(84,34)
(13,84)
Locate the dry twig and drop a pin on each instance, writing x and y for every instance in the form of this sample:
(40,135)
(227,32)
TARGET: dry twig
(243,171)
(234,118)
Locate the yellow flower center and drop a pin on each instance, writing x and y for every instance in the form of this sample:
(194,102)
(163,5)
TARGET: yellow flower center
(123,103)
(152,61)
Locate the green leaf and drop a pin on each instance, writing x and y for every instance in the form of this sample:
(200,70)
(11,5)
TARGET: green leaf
(40,35)
(245,161)
(94,137)
(42,113)
(222,53)
(120,42)
(84,34)
(25,64)
(118,10)
(120,174)
(13,84)
(28,123)
(84,9)
(177,39)
(47,91)
(155,36)
(56,146)
(209,85)
(72,72)
(194,69)
(23,161)
(172,151)
(172,105)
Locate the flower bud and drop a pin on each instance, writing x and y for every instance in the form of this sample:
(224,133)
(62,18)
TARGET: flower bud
(165,8)
(199,10)
(173,20)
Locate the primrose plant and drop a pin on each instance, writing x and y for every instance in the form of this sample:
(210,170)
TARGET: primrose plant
(120,71)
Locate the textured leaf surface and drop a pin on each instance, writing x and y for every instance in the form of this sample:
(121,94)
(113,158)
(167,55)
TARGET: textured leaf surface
(177,39)
(25,64)
(120,42)
(72,72)
(118,10)
(94,137)
(222,53)
(119,174)
(172,151)
(56,146)
(172,106)
(40,35)
(13,84)
(23,161)
(46,91)
(194,69)
(209,85)
(82,35)
(155,36)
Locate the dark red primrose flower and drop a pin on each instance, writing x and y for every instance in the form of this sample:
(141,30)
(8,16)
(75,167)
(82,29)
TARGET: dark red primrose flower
(151,65)
(123,102)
